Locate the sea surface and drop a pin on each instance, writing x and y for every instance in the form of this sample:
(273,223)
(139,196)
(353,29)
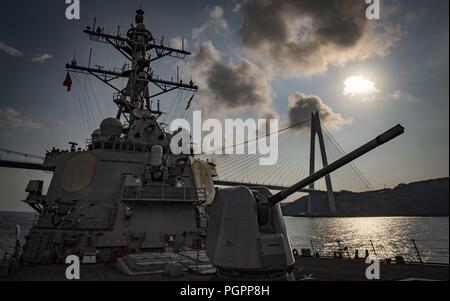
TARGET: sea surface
(385,237)
(8,222)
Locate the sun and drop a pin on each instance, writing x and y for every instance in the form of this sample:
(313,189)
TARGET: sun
(359,86)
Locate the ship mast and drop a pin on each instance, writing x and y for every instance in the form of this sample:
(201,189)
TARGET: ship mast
(140,48)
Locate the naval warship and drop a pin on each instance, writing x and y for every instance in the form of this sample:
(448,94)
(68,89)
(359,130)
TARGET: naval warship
(126,192)
(127,206)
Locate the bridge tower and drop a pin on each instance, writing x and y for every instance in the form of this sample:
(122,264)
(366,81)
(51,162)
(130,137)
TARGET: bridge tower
(316,129)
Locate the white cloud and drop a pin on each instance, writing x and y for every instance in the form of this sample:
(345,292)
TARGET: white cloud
(16,53)
(9,50)
(41,58)
(216,21)
(402,96)
(13,119)
(301,106)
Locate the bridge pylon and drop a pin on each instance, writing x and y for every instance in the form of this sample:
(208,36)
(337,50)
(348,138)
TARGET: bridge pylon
(316,129)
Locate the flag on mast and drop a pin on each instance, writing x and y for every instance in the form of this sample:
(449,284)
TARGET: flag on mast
(68,82)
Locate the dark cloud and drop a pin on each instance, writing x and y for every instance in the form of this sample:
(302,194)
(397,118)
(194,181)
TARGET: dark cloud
(303,37)
(301,106)
(229,85)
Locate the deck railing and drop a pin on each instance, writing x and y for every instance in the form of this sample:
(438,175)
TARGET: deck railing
(412,251)
(163,193)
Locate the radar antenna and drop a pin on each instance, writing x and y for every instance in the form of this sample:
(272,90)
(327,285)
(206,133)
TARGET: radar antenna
(140,48)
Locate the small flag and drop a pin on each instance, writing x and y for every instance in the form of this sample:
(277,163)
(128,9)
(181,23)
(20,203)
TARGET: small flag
(190,102)
(68,82)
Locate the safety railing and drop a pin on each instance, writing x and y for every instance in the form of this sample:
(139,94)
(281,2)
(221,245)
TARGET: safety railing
(163,193)
(412,251)
(118,146)
(10,155)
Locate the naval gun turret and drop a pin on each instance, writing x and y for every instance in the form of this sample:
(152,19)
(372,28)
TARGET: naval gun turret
(247,236)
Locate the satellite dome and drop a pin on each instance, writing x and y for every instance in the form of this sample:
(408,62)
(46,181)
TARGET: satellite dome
(96,134)
(111,127)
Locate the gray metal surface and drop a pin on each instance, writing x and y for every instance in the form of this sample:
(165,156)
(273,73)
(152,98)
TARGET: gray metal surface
(126,193)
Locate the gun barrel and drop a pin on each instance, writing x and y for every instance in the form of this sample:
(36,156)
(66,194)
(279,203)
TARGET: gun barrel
(380,140)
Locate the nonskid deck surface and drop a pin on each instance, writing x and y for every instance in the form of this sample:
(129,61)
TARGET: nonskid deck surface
(330,269)
(97,272)
(306,269)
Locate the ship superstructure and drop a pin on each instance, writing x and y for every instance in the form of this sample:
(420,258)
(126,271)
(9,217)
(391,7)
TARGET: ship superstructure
(128,199)
(126,192)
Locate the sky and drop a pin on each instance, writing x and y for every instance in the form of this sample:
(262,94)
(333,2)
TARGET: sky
(281,58)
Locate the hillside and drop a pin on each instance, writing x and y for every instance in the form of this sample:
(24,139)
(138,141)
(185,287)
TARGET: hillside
(425,198)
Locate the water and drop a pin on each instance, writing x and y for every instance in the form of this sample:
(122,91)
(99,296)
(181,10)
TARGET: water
(390,235)
(385,236)
(8,221)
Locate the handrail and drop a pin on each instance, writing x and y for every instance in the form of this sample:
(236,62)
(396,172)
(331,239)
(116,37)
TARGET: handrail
(413,251)
(7,151)
(163,193)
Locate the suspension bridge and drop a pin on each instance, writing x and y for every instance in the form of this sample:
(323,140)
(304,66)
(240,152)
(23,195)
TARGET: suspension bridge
(297,159)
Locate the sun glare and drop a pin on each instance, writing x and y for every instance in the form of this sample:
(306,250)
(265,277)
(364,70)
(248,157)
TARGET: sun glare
(359,85)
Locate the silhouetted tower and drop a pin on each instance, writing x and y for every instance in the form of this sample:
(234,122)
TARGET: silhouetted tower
(316,129)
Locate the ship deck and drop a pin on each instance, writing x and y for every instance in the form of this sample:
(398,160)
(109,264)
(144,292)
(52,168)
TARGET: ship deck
(330,269)
(306,269)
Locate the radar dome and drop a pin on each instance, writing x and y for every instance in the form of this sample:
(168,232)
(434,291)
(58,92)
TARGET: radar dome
(96,134)
(111,127)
